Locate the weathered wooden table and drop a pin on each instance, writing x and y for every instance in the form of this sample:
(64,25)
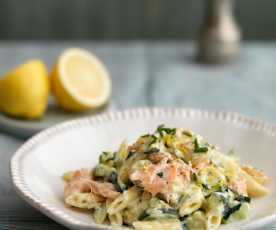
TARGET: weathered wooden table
(148,74)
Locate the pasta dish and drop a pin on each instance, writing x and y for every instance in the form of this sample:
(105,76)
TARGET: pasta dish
(170,179)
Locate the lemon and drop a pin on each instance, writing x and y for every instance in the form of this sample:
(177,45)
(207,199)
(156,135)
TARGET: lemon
(80,81)
(24,91)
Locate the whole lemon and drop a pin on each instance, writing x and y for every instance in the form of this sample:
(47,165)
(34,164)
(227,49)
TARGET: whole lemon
(24,91)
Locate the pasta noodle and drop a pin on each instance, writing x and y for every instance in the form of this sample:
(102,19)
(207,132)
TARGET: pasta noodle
(254,189)
(197,220)
(191,201)
(153,225)
(82,200)
(100,214)
(121,202)
(171,179)
(116,219)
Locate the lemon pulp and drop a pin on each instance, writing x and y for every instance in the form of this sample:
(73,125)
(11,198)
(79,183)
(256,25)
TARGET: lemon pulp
(80,81)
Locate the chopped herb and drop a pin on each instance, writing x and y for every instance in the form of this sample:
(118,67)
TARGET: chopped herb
(161,129)
(187,133)
(160,174)
(113,178)
(170,211)
(223,189)
(229,211)
(223,197)
(184,226)
(152,150)
(106,156)
(129,184)
(130,154)
(200,148)
(154,139)
(205,186)
(185,161)
(243,199)
(143,215)
(194,177)
(183,218)
(240,197)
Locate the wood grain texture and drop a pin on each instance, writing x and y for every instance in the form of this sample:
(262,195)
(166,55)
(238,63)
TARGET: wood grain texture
(124,19)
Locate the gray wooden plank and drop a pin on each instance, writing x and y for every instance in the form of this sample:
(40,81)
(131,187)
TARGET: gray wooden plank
(124,19)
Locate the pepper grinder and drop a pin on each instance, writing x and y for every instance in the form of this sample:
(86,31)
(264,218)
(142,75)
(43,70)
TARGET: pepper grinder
(220,36)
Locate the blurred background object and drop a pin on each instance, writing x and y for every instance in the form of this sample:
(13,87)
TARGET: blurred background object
(219,38)
(124,19)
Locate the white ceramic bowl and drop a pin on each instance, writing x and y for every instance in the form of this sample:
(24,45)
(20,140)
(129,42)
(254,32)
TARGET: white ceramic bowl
(36,168)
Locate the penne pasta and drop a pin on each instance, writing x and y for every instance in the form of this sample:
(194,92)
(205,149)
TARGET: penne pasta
(116,219)
(254,189)
(100,214)
(197,221)
(170,179)
(257,175)
(213,219)
(214,214)
(82,200)
(191,201)
(122,202)
(153,225)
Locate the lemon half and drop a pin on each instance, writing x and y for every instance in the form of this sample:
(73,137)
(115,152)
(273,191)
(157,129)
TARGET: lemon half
(80,81)
(24,91)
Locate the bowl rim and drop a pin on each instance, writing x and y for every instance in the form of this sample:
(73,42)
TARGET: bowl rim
(144,112)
